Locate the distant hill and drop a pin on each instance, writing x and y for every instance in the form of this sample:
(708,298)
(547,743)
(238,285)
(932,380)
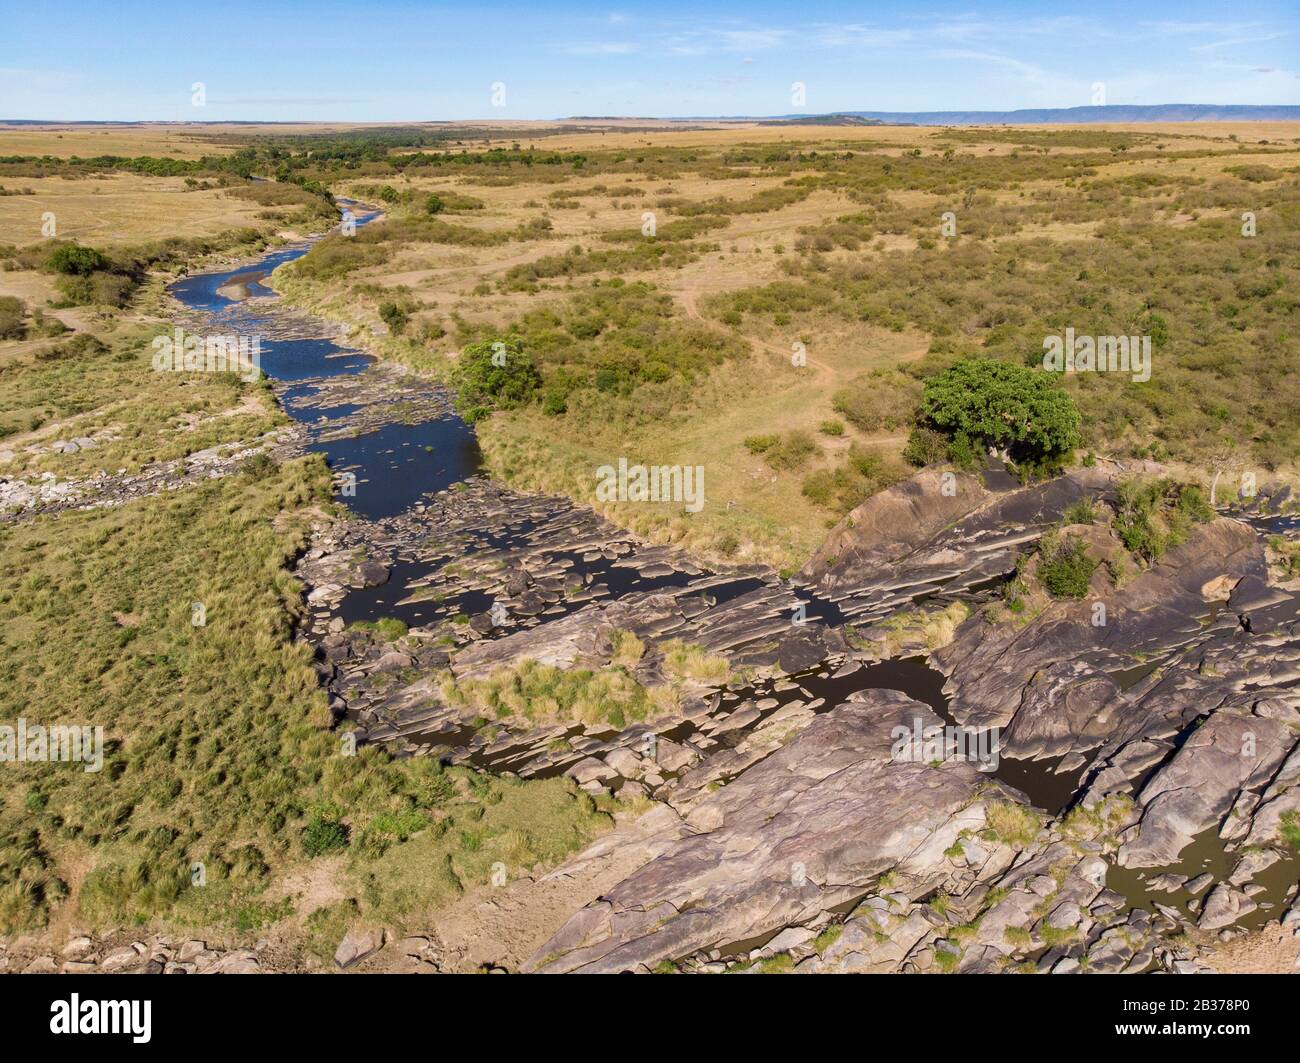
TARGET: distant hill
(1160,112)
(824,119)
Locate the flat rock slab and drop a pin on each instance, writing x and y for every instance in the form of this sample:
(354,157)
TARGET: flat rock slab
(804,830)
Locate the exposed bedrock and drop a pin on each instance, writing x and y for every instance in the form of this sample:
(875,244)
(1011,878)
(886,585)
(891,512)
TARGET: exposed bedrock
(938,521)
(1231,753)
(1049,684)
(805,830)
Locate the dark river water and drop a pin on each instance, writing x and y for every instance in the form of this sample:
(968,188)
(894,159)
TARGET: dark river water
(396,464)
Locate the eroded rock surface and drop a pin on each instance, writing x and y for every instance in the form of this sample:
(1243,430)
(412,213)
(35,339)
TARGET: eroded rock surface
(783,843)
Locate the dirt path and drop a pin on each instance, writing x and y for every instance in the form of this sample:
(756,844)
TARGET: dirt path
(687,297)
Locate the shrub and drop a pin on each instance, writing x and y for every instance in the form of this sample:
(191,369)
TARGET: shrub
(259,466)
(83,346)
(75,260)
(925,446)
(323,834)
(434,205)
(12,312)
(1154,515)
(1065,569)
(862,475)
(1193,504)
(791,451)
(883,399)
(1081,512)
(493,375)
(394,316)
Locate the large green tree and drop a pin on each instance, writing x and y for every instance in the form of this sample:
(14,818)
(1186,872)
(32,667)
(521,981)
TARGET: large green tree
(496,374)
(981,403)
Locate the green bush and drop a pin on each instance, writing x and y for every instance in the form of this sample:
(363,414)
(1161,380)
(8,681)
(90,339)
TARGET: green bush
(75,260)
(984,403)
(925,446)
(394,316)
(97,289)
(861,476)
(1154,515)
(1081,512)
(322,835)
(1065,569)
(495,374)
(791,451)
(81,347)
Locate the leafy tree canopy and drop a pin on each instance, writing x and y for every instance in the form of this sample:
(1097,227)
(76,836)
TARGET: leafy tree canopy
(982,403)
(495,374)
(75,260)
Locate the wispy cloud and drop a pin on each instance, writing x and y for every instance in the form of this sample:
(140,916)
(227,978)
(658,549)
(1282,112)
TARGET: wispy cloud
(599,48)
(1005,62)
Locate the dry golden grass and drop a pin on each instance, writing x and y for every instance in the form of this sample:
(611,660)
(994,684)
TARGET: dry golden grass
(64,141)
(119,209)
(748,502)
(452,284)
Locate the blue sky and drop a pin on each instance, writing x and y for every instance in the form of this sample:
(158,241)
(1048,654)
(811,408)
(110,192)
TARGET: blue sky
(407,61)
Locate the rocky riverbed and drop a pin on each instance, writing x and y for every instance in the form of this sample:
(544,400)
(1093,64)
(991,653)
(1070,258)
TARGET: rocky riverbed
(1122,744)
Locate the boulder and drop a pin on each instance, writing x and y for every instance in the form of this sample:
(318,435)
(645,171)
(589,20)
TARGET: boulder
(1223,907)
(392,661)
(371,574)
(358,943)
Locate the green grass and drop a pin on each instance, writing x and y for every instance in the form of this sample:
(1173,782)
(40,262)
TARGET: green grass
(1290,829)
(388,628)
(218,747)
(538,693)
(626,649)
(1012,824)
(533,693)
(522,825)
(827,937)
(110,392)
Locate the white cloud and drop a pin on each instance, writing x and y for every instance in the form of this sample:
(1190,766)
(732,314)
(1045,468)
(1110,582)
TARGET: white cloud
(599,48)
